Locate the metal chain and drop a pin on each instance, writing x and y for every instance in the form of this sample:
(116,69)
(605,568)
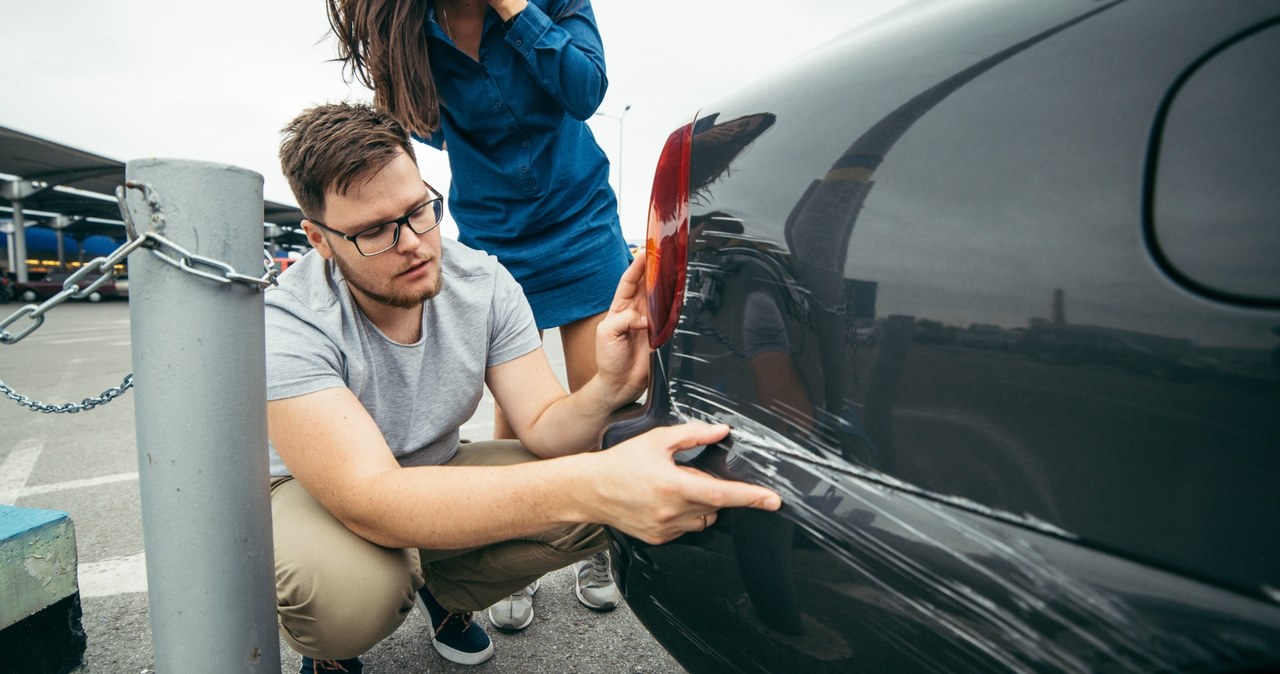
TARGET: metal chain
(105,266)
(69,408)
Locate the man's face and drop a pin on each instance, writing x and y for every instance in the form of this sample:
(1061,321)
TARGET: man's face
(408,273)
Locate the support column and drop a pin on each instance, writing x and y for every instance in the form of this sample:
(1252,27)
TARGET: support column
(59,226)
(199,368)
(19,242)
(15,191)
(7,228)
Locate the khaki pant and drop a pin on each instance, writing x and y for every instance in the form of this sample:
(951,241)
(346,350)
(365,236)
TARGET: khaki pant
(338,595)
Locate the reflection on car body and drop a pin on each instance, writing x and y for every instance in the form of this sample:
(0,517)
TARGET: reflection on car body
(932,298)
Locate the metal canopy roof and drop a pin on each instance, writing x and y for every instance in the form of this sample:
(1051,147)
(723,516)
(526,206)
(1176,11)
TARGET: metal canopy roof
(35,158)
(31,158)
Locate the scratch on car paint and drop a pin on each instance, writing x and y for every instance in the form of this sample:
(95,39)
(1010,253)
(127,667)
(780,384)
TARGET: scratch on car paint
(1008,589)
(739,236)
(692,357)
(762,436)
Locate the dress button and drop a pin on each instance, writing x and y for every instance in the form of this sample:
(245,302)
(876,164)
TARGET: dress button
(524,169)
(497,105)
(524,143)
(519,42)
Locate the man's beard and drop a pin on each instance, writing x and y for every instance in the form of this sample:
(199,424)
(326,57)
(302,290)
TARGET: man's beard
(355,280)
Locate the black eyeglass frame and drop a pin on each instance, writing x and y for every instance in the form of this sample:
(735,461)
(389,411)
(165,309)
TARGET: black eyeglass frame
(436,202)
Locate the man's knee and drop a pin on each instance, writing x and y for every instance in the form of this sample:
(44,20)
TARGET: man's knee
(340,611)
(578,540)
(336,593)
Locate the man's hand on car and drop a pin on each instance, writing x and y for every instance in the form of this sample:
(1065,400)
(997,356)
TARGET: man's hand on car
(645,494)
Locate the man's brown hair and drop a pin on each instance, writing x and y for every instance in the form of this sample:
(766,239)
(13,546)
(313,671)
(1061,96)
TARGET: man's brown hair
(334,146)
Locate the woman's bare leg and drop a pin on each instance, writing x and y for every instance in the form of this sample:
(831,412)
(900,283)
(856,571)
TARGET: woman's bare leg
(579,341)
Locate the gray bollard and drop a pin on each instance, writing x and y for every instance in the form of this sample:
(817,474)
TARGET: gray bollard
(199,368)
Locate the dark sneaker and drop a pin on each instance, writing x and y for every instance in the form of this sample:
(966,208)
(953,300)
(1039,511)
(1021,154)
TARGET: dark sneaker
(454,635)
(515,612)
(351,666)
(595,587)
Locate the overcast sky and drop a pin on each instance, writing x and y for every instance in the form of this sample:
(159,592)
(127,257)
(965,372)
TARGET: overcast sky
(216,81)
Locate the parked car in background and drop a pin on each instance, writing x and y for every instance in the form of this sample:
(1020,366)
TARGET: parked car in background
(989,292)
(6,289)
(52,284)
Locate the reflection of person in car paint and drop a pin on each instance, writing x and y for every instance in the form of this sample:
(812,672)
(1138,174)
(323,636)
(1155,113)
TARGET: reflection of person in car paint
(763,542)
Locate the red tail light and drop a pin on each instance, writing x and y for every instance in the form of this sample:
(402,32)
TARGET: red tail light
(667,242)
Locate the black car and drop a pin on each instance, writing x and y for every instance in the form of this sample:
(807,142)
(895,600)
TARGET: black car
(989,291)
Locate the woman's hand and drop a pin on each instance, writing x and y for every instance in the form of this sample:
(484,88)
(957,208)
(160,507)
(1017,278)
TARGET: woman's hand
(508,8)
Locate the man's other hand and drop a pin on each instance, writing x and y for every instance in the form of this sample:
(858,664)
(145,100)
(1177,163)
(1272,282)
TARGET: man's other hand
(644,493)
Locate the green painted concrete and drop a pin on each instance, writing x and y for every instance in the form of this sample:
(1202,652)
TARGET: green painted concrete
(37,561)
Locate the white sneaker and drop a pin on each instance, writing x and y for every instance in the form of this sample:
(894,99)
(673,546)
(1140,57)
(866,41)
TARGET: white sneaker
(595,587)
(515,612)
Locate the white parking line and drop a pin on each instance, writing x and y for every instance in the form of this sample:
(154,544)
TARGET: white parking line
(117,575)
(60,331)
(76,484)
(80,340)
(17,467)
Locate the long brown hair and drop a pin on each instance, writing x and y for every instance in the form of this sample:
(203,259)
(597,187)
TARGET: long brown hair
(383,45)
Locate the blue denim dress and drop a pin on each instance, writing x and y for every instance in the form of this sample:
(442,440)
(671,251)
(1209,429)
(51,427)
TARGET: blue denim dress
(530,184)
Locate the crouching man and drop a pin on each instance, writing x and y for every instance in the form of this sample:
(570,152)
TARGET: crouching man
(378,345)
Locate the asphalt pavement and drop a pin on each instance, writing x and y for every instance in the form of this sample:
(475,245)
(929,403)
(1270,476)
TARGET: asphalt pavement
(86,464)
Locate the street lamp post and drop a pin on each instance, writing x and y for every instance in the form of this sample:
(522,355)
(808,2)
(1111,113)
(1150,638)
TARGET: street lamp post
(619,118)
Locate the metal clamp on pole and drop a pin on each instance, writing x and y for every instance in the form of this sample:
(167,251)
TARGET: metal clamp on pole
(199,362)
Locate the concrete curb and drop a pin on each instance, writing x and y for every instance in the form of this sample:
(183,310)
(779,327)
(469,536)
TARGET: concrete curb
(40,616)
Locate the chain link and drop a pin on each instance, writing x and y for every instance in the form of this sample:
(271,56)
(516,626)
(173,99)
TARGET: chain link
(105,267)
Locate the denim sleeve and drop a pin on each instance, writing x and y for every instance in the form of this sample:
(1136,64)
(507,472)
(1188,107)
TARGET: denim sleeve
(565,57)
(435,140)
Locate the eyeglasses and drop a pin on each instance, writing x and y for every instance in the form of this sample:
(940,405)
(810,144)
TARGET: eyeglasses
(383,237)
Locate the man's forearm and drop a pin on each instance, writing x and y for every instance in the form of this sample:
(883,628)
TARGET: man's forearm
(573,424)
(635,487)
(454,507)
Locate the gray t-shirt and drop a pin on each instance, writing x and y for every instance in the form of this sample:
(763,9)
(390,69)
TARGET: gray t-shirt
(418,394)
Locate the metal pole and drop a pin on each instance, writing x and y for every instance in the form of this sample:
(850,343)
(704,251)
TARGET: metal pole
(618,119)
(199,367)
(59,225)
(19,243)
(621,185)
(8,233)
